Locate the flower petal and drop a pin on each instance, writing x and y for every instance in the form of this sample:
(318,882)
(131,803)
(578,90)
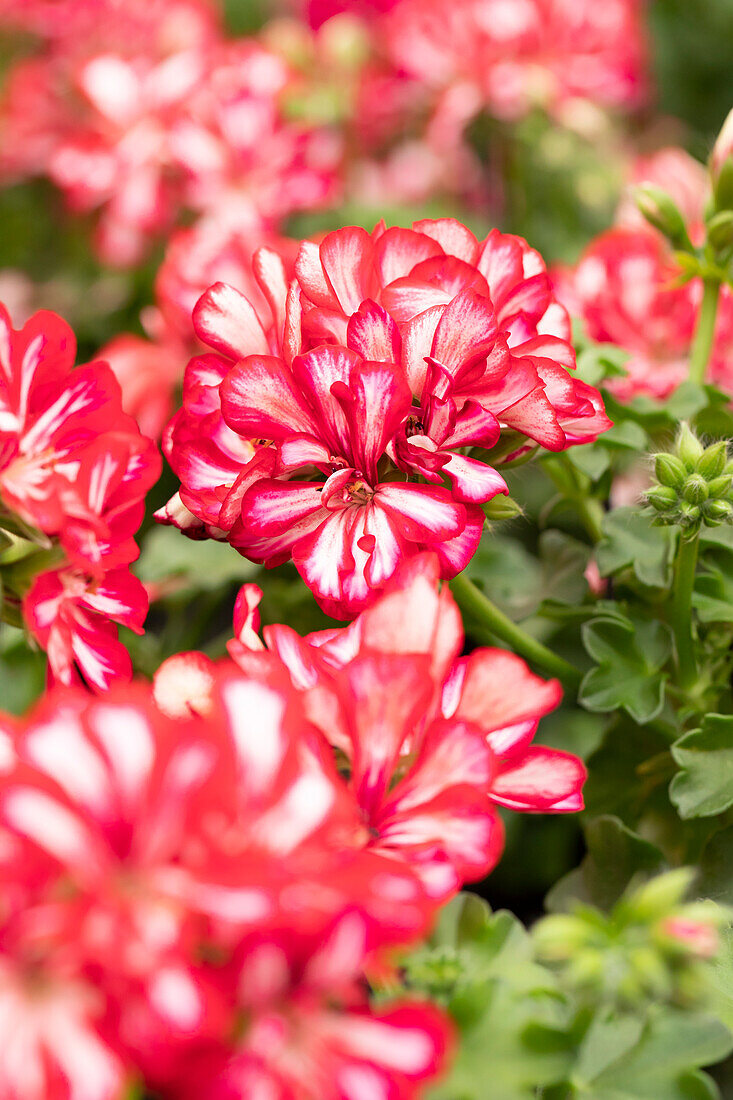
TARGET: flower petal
(226,321)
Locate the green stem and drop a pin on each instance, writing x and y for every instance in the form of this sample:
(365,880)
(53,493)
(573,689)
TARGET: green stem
(681,610)
(703,340)
(472,601)
(591,513)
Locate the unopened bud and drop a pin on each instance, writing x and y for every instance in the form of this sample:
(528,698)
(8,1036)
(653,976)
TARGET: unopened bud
(721,166)
(720,486)
(557,937)
(695,937)
(720,230)
(689,514)
(713,459)
(660,210)
(670,471)
(695,489)
(501,507)
(717,512)
(688,447)
(661,498)
(661,894)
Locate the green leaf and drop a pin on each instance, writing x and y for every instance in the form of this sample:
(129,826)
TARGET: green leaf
(508,573)
(22,670)
(512,1018)
(629,774)
(629,656)
(721,979)
(632,542)
(592,460)
(197,565)
(704,784)
(713,595)
(615,856)
(661,1064)
(563,561)
(716,868)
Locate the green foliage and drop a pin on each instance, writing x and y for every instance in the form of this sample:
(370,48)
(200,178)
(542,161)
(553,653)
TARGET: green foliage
(657,1059)
(510,1012)
(615,856)
(704,784)
(524,1034)
(184,564)
(630,656)
(631,542)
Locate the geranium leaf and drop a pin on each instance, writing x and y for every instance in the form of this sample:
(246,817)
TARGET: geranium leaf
(631,541)
(704,784)
(629,657)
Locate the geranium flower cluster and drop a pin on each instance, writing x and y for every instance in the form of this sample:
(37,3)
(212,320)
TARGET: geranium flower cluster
(513,55)
(335,430)
(160,113)
(630,290)
(74,472)
(199,883)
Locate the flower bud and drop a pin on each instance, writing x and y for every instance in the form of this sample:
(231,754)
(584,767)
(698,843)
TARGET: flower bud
(720,486)
(670,470)
(660,210)
(689,514)
(560,936)
(694,937)
(712,462)
(501,507)
(717,512)
(661,894)
(695,489)
(661,498)
(721,166)
(720,230)
(688,447)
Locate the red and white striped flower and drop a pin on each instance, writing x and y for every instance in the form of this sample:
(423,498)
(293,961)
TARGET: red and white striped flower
(76,469)
(328,431)
(433,741)
(165,878)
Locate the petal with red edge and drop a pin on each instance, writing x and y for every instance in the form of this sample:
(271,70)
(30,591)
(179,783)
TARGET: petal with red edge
(226,321)
(424,513)
(260,399)
(543,780)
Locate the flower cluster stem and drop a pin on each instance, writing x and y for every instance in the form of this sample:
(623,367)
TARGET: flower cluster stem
(479,607)
(681,611)
(702,343)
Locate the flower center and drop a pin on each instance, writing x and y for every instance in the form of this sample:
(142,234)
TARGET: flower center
(359,492)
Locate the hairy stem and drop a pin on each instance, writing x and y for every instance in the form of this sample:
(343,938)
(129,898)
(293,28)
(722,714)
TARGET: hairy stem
(681,612)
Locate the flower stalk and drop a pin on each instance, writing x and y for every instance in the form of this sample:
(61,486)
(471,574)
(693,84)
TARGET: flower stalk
(704,333)
(681,612)
(472,601)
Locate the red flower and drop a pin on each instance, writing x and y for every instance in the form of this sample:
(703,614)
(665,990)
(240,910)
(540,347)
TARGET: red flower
(523,53)
(461,302)
(56,471)
(72,616)
(312,1035)
(336,412)
(173,873)
(471,332)
(626,291)
(74,467)
(431,739)
(215,251)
